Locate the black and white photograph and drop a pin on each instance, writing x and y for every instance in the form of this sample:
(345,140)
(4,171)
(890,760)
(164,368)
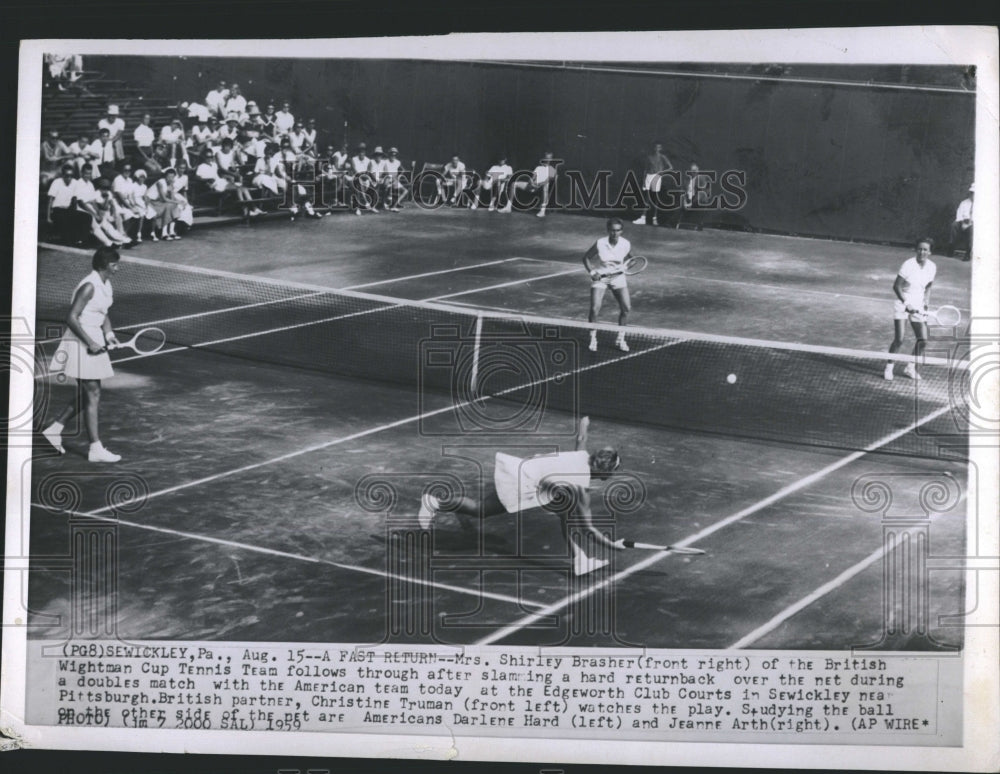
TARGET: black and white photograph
(609,392)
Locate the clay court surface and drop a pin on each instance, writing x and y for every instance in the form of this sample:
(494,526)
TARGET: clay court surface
(245,513)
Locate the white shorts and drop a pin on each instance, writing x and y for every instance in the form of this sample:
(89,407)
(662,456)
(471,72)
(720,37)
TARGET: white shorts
(899,312)
(615,282)
(653,182)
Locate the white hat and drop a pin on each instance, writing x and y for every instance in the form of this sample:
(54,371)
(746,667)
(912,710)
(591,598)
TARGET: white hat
(972,188)
(378,149)
(112,110)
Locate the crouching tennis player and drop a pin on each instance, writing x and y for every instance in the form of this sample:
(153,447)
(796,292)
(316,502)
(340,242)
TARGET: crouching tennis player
(559,483)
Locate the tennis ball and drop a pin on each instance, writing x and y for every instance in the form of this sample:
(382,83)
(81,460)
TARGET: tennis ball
(731,378)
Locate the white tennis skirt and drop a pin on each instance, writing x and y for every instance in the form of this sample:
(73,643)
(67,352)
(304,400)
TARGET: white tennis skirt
(72,358)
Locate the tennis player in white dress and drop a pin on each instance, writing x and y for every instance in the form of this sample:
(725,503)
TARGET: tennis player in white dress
(559,483)
(82,353)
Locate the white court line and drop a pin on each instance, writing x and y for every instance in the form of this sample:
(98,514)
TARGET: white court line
(819,593)
(428,274)
(301,558)
(380,428)
(502,285)
(761,504)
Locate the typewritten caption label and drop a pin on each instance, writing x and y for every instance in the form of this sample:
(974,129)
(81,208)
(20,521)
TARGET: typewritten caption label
(813,698)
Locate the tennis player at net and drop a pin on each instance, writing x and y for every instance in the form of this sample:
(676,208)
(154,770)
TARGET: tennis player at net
(611,253)
(559,483)
(913,294)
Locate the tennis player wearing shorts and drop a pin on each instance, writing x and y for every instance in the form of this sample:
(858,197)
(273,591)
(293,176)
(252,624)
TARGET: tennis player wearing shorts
(82,353)
(656,163)
(611,252)
(559,483)
(913,293)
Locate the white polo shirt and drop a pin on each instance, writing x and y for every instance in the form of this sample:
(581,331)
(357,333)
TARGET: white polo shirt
(916,278)
(612,255)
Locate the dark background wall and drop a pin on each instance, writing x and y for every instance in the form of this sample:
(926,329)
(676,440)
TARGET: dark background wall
(844,161)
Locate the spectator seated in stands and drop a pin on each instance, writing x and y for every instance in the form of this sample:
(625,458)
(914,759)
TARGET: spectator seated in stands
(230,130)
(360,179)
(162,197)
(312,136)
(495,186)
(961,228)
(236,104)
(199,138)
(85,152)
(222,182)
(55,153)
(391,180)
(131,209)
(144,137)
(196,113)
(284,121)
(331,167)
(64,69)
(158,162)
(116,131)
(215,100)
(268,172)
(109,228)
(268,120)
(299,139)
(452,186)
(543,180)
(172,135)
(71,224)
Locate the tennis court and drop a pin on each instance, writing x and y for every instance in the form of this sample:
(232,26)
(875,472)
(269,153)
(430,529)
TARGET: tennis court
(315,381)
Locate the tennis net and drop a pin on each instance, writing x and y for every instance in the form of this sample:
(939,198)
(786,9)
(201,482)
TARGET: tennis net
(783,392)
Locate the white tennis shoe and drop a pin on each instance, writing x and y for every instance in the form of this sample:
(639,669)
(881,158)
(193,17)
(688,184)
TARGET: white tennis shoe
(53,435)
(911,372)
(622,344)
(587,564)
(888,372)
(593,342)
(99,454)
(429,505)
(640,221)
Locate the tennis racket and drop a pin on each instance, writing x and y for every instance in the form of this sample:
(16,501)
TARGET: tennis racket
(947,316)
(671,549)
(634,265)
(145,342)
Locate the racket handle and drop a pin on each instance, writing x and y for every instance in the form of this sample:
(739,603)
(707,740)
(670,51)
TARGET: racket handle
(628,543)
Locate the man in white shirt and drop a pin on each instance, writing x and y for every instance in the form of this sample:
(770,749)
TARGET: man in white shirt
(611,253)
(116,129)
(172,135)
(215,100)
(495,184)
(199,113)
(284,121)
(543,180)
(85,152)
(454,180)
(389,177)
(144,137)
(361,178)
(71,224)
(961,229)
(913,295)
(237,103)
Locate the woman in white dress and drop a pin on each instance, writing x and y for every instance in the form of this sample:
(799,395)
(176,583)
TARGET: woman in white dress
(558,483)
(82,353)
